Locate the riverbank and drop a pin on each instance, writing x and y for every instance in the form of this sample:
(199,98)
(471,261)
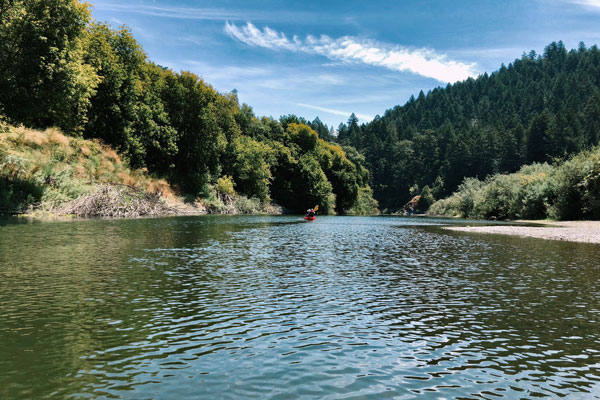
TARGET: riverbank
(48,174)
(571,231)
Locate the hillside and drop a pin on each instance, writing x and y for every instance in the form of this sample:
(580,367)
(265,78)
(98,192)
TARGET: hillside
(48,171)
(59,68)
(535,109)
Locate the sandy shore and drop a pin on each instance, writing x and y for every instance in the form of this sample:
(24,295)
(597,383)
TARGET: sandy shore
(572,231)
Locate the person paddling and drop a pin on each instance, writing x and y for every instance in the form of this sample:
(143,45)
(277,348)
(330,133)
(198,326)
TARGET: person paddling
(310,213)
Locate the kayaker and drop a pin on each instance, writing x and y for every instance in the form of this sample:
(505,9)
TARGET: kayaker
(310,213)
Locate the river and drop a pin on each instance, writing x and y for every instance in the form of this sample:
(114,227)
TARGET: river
(220,307)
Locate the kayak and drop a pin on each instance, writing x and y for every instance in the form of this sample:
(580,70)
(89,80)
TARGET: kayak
(310,218)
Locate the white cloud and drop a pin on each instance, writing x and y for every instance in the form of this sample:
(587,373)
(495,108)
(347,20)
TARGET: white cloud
(362,117)
(588,3)
(349,49)
(267,38)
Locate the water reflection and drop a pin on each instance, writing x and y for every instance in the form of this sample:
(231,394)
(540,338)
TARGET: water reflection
(273,307)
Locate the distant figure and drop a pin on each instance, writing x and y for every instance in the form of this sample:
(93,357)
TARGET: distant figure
(411,206)
(310,213)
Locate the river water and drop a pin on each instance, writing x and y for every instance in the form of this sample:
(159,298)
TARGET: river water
(277,308)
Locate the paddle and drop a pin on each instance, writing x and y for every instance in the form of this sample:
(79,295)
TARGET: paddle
(316,208)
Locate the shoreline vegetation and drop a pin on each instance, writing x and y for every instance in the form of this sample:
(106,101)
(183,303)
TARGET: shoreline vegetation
(567,190)
(48,174)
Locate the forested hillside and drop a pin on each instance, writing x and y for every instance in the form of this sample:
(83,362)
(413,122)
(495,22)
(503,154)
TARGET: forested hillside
(535,109)
(58,68)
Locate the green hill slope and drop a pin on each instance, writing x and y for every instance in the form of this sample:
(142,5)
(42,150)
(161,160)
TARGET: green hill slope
(534,109)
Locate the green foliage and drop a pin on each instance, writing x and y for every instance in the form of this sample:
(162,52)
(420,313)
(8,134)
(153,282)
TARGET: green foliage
(57,68)
(426,199)
(303,136)
(313,186)
(341,173)
(224,186)
(252,167)
(44,80)
(575,188)
(365,203)
(127,112)
(204,122)
(567,191)
(245,205)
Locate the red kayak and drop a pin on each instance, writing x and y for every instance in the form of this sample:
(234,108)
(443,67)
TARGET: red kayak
(310,218)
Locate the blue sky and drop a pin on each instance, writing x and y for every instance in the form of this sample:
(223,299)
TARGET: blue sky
(332,58)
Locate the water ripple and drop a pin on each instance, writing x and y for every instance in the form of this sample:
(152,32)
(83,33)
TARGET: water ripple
(272,307)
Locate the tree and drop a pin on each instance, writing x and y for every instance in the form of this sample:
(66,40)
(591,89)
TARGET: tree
(44,80)
(312,186)
(426,199)
(302,136)
(252,167)
(538,138)
(127,111)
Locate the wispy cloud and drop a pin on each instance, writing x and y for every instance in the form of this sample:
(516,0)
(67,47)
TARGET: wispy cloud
(362,117)
(173,12)
(588,3)
(349,49)
(207,13)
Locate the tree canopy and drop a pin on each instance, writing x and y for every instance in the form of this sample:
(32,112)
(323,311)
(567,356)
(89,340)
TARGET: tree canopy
(59,68)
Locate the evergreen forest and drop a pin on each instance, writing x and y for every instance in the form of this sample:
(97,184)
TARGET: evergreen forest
(540,108)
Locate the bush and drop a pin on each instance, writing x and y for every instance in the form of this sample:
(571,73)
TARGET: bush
(449,206)
(365,203)
(244,205)
(224,186)
(575,187)
(569,190)
(469,191)
(426,199)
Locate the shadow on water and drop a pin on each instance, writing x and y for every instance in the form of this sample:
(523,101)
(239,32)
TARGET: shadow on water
(275,307)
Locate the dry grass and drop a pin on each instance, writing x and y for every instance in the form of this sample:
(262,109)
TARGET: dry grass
(36,137)
(160,187)
(110,153)
(127,179)
(67,169)
(80,171)
(107,165)
(55,137)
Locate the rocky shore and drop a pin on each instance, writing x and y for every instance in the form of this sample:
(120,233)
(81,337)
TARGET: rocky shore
(572,231)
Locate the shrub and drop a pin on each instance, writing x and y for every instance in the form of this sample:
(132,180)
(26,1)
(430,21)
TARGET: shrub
(575,187)
(365,204)
(569,190)
(224,186)
(426,199)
